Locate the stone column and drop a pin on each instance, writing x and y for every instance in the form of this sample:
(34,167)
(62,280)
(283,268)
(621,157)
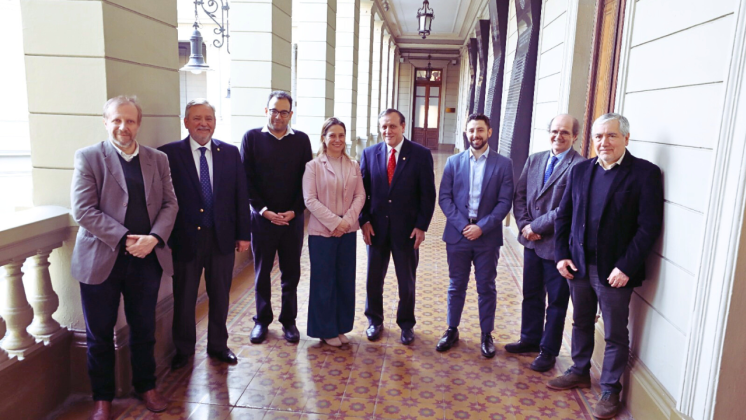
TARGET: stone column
(392,75)
(317,21)
(261,33)
(375,92)
(15,310)
(365,69)
(79,54)
(385,65)
(43,299)
(346,68)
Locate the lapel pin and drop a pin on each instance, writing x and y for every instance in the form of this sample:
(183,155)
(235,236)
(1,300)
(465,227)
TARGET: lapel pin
(218,149)
(404,158)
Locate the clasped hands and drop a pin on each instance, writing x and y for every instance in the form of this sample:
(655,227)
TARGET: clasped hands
(472,232)
(280,219)
(529,234)
(140,246)
(616,279)
(418,234)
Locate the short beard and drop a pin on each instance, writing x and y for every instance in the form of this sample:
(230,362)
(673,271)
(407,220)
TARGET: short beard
(120,144)
(485,144)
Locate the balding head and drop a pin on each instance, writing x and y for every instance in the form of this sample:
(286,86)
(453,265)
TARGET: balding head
(563,131)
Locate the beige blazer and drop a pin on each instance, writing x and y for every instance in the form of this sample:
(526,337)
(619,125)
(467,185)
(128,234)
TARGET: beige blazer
(99,203)
(318,195)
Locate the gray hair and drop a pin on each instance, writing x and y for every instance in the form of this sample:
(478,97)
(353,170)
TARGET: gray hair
(392,111)
(195,102)
(623,122)
(281,94)
(575,124)
(120,100)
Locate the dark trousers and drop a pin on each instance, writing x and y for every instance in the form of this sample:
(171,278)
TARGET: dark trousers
(460,257)
(138,280)
(406,259)
(614,303)
(218,277)
(545,292)
(286,242)
(331,304)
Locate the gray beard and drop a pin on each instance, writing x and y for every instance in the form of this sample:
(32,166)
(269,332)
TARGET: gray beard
(120,144)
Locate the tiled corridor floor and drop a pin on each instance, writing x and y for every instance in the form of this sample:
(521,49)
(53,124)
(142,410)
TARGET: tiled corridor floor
(364,380)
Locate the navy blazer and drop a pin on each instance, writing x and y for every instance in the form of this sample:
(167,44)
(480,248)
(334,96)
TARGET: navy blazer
(494,202)
(631,221)
(409,202)
(231,201)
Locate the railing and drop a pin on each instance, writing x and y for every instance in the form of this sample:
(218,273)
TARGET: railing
(27,323)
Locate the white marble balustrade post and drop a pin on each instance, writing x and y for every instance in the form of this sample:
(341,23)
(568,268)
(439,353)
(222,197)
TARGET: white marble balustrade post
(15,309)
(3,355)
(43,298)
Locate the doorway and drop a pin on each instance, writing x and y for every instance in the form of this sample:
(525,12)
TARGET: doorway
(607,42)
(426,118)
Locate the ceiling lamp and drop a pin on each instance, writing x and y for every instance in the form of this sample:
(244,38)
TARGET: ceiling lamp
(425,17)
(429,72)
(196,62)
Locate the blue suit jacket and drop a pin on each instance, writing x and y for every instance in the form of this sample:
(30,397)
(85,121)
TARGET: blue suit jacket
(494,203)
(631,220)
(231,201)
(409,202)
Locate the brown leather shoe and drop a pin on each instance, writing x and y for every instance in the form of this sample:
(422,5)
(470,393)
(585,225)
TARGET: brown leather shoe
(570,380)
(154,401)
(101,411)
(608,406)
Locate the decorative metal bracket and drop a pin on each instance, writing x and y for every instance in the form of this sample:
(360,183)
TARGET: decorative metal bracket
(211,9)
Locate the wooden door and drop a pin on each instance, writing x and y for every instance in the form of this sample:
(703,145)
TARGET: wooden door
(426,106)
(604,65)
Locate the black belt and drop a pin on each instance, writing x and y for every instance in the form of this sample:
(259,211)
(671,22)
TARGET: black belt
(472,221)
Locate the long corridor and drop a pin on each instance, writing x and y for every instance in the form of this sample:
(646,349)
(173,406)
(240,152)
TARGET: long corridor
(369,380)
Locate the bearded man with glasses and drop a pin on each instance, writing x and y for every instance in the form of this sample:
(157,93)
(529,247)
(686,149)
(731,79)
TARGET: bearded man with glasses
(274,158)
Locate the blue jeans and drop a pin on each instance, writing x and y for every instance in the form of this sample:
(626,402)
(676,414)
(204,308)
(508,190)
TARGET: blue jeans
(331,304)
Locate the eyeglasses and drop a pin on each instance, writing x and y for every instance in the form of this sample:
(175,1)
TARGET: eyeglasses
(284,114)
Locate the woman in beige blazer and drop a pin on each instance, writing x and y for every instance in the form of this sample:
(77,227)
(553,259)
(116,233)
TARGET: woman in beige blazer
(334,194)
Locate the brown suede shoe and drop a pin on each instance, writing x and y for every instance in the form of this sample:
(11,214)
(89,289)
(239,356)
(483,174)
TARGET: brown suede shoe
(608,406)
(101,411)
(154,401)
(570,380)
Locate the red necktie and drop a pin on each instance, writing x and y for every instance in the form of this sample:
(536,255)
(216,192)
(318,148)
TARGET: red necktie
(392,165)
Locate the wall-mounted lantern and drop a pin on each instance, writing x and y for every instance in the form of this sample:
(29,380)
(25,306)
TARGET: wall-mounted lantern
(197,62)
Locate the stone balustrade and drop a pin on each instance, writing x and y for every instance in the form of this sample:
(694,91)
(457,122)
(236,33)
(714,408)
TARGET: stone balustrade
(27,322)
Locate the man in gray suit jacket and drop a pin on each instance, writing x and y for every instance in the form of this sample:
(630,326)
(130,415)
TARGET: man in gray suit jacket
(124,202)
(537,197)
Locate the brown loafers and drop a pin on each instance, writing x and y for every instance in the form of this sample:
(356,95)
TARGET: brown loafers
(101,411)
(154,401)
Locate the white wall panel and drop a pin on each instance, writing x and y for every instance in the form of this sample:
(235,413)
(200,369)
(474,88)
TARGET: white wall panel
(551,61)
(554,34)
(695,56)
(670,290)
(657,18)
(553,9)
(681,239)
(687,116)
(548,89)
(686,171)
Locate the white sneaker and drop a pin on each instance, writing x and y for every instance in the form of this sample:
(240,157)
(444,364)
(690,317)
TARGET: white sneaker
(334,342)
(343,338)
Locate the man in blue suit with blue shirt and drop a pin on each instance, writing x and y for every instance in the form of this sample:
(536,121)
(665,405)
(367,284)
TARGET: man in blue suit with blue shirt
(476,193)
(212,222)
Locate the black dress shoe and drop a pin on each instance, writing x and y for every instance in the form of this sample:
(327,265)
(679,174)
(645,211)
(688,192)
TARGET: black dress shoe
(448,340)
(543,362)
(258,334)
(374,332)
(407,336)
(522,347)
(292,335)
(179,361)
(488,346)
(225,356)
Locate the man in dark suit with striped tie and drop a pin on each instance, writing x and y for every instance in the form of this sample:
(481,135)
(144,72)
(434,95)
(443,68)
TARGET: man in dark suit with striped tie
(212,223)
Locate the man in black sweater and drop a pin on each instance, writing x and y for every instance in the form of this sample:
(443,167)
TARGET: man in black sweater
(274,158)
(607,223)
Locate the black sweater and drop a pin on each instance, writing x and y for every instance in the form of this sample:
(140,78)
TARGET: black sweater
(274,170)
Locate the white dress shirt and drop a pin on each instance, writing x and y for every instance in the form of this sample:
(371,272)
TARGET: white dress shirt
(196,154)
(398,152)
(611,166)
(125,156)
(289,131)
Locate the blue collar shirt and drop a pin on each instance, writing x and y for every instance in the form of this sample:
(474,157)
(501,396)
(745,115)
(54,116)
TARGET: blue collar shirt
(476,178)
